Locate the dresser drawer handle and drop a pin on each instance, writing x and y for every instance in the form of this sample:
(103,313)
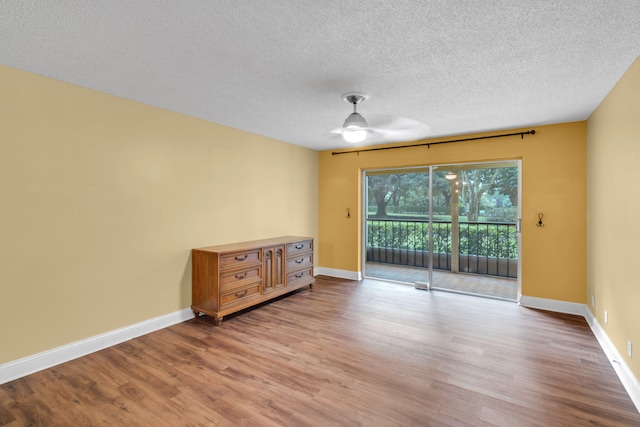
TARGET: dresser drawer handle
(241,258)
(299,275)
(241,276)
(299,246)
(300,261)
(240,294)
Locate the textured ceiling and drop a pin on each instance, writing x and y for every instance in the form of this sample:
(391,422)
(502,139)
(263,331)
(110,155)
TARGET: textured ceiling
(278,67)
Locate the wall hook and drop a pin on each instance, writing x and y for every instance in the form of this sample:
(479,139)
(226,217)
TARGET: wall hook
(348,213)
(540,224)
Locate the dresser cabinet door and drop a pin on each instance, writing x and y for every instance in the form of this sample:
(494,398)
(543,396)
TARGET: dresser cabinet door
(274,262)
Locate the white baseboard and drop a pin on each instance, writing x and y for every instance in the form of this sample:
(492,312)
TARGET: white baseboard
(629,381)
(37,362)
(341,274)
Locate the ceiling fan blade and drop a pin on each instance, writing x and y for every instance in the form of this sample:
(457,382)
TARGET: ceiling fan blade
(395,129)
(380,121)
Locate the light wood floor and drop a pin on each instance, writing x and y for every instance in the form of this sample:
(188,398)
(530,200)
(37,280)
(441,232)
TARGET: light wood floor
(344,354)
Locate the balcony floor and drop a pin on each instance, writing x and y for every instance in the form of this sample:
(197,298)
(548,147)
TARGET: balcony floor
(474,284)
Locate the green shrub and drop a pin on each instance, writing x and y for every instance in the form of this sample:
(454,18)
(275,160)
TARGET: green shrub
(481,239)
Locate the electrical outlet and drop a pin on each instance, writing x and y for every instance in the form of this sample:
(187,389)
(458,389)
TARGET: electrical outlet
(593,300)
(629,349)
(606,317)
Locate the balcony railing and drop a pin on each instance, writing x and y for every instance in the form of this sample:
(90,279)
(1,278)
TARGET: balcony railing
(488,248)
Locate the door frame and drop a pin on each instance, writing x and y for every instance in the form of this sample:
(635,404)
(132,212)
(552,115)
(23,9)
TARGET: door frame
(430,168)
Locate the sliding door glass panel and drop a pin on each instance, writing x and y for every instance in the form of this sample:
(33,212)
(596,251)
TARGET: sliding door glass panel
(475,214)
(397,225)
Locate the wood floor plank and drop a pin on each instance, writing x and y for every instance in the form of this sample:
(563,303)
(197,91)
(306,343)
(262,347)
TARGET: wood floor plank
(346,353)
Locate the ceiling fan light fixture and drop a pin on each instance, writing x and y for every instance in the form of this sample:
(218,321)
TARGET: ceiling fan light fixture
(354,127)
(354,134)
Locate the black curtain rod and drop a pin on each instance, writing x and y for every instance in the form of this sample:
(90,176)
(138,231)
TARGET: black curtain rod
(429,144)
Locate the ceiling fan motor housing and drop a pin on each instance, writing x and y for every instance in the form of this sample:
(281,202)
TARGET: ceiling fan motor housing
(354,120)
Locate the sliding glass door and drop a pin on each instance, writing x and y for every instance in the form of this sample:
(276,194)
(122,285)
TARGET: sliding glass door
(448,227)
(397,224)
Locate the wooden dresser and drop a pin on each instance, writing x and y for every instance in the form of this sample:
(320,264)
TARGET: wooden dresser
(229,278)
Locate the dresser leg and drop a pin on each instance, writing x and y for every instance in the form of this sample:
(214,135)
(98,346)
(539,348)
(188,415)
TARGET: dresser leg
(218,320)
(196,313)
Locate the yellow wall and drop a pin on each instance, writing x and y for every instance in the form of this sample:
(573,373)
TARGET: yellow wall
(613,151)
(554,183)
(101,200)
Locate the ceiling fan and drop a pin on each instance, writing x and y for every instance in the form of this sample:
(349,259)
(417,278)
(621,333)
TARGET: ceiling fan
(382,128)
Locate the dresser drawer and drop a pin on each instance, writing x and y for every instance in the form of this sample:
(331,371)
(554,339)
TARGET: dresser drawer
(299,247)
(296,263)
(232,279)
(305,275)
(237,260)
(241,294)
